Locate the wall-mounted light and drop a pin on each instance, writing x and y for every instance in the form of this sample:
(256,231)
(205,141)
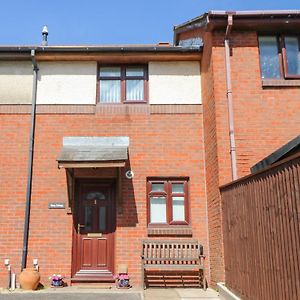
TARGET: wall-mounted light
(129,174)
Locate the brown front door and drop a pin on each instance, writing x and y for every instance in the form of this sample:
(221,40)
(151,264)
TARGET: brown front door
(94,227)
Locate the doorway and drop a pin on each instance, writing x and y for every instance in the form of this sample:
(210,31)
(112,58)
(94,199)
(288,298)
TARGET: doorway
(94,224)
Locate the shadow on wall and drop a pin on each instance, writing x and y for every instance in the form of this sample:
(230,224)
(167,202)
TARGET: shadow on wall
(127,217)
(67,68)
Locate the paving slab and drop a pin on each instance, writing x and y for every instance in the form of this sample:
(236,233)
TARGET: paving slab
(71,296)
(161,294)
(73,293)
(180,294)
(77,293)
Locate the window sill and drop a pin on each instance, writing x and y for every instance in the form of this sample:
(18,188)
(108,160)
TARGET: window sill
(135,102)
(121,103)
(170,231)
(280,82)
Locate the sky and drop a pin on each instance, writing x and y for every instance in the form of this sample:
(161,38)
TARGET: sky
(76,22)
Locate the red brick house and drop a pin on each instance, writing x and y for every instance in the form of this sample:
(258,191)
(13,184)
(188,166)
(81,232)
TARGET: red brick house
(159,111)
(264,70)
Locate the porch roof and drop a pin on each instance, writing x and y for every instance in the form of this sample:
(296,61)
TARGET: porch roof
(93,152)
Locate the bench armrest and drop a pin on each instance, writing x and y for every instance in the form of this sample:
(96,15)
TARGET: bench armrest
(202,258)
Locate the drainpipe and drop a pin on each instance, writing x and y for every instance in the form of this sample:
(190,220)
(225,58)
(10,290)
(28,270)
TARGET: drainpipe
(229,99)
(30,161)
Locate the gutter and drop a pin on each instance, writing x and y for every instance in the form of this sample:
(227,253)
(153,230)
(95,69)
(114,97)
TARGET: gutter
(229,99)
(30,162)
(255,13)
(219,18)
(93,49)
(246,13)
(23,52)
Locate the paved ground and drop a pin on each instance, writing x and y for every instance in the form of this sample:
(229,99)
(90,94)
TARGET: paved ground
(73,293)
(71,296)
(180,294)
(110,294)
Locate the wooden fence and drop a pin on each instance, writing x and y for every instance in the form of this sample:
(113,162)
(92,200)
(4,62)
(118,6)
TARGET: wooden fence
(261,214)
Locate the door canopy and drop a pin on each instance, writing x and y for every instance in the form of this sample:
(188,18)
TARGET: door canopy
(93,152)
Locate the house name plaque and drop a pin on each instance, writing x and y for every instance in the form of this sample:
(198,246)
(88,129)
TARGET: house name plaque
(56,205)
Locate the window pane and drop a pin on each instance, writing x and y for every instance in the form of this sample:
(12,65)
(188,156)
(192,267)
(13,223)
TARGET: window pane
(102,218)
(134,90)
(178,209)
(177,188)
(158,187)
(95,196)
(134,71)
(110,71)
(88,218)
(158,212)
(110,91)
(293,55)
(269,62)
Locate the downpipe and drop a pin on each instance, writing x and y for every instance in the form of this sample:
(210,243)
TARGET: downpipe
(30,162)
(229,99)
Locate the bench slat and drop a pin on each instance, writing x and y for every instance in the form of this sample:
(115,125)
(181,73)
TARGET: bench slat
(172,259)
(173,255)
(173,267)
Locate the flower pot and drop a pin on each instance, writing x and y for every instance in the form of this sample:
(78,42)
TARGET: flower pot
(124,283)
(29,279)
(58,282)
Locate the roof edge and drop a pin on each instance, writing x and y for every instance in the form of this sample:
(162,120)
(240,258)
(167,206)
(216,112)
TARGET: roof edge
(239,14)
(89,49)
(277,155)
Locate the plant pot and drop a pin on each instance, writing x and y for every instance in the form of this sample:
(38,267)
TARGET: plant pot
(58,282)
(29,279)
(124,283)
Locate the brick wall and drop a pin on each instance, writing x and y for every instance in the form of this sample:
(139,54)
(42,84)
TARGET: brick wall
(212,163)
(265,118)
(159,146)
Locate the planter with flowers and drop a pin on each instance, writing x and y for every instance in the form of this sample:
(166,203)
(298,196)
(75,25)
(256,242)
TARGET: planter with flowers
(57,280)
(122,281)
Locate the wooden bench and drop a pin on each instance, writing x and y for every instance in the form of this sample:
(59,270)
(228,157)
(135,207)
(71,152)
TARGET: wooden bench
(173,255)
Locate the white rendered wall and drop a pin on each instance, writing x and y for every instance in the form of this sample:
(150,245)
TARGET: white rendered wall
(75,82)
(67,83)
(174,83)
(15,82)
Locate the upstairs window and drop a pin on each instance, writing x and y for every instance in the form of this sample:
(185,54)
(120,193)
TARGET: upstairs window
(122,84)
(279,57)
(292,55)
(167,201)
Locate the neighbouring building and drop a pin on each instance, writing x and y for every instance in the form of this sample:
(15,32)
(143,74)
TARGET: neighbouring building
(265,87)
(133,142)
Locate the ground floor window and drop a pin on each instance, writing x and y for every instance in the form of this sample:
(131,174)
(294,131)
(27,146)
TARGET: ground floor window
(167,201)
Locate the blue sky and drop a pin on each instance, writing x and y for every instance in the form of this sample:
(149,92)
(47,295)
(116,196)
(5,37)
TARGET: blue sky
(109,21)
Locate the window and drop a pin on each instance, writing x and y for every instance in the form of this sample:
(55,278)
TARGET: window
(122,84)
(279,57)
(167,201)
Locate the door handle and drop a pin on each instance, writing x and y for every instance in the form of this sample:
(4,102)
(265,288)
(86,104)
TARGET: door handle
(79,226)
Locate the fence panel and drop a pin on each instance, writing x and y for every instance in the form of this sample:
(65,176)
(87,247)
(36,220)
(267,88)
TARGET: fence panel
(261,230)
